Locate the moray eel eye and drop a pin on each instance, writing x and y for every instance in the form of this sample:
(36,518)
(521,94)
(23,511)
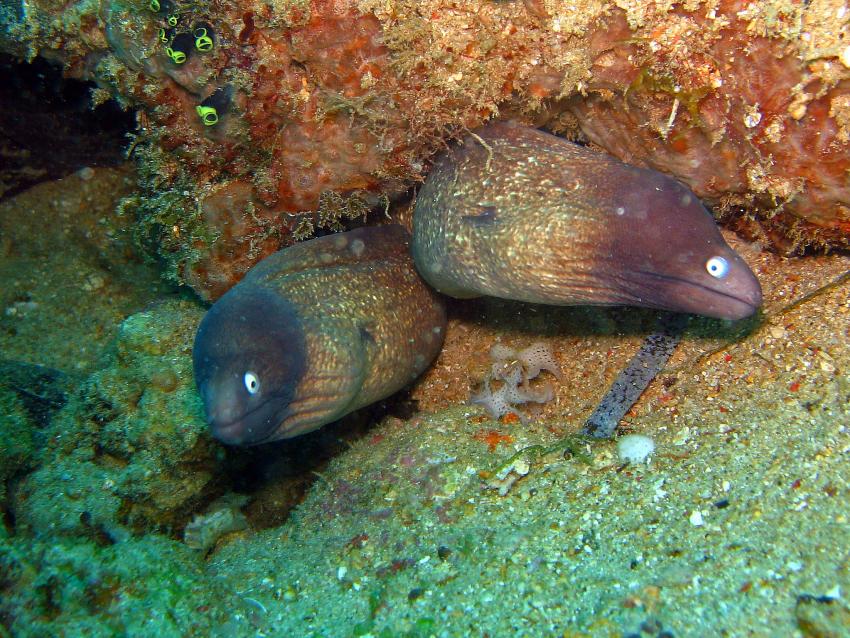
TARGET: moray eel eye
(252,383)
(717,267)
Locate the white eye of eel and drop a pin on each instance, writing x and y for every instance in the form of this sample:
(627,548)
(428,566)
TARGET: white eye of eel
(252,382)
(717,267)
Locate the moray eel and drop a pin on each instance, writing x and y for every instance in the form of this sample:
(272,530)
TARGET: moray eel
(518,213)
(314,332)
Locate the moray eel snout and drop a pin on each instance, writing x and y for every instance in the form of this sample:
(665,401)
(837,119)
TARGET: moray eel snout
(249,357)
(314,332)
(518,213)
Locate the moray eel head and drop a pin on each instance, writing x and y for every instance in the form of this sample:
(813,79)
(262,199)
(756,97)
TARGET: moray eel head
(663,247)
(249,356)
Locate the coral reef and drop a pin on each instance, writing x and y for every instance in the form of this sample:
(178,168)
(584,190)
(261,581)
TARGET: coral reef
(323,109)
(746,102)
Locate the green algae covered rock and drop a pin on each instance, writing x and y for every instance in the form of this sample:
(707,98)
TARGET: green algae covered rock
(17,450)
(130,451)
(150,586)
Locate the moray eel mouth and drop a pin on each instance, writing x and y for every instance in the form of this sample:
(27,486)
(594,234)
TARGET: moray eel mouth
(235,427)
(680,294)
(237,433)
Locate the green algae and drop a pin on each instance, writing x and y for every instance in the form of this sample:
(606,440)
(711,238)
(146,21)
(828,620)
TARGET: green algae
(141,587)
(167,221)
(653,82)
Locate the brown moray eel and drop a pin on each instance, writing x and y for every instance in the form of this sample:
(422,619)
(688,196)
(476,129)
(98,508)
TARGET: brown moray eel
(518,213)
(313,332)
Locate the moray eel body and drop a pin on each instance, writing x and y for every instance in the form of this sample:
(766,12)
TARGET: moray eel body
(518,213)
(314,332)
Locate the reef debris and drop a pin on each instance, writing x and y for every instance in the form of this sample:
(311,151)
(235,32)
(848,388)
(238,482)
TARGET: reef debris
(221,518)
(633,379)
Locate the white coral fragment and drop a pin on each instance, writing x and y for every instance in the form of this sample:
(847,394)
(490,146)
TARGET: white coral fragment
(635,448)
(513,371)
(223,518)
(537,357)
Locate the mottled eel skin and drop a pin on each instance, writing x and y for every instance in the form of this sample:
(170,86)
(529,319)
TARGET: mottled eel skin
(313,332)
(518,213)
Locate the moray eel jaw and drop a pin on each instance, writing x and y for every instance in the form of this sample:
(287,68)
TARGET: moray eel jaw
(681,295)
(249,356)
(227,418)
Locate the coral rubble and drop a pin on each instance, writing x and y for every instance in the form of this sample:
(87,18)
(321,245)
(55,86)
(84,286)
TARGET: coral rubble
(322,109)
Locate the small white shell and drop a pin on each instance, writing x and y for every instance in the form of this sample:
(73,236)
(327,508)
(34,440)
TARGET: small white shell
(634,448)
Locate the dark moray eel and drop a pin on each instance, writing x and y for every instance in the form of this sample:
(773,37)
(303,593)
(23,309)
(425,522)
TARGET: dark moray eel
(518,213)
(332,324)
(314,332)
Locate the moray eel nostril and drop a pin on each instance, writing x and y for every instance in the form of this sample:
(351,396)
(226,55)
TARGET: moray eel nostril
(314,332)
(518,213)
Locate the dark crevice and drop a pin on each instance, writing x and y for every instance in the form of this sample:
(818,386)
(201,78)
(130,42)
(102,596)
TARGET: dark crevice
(48,128)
